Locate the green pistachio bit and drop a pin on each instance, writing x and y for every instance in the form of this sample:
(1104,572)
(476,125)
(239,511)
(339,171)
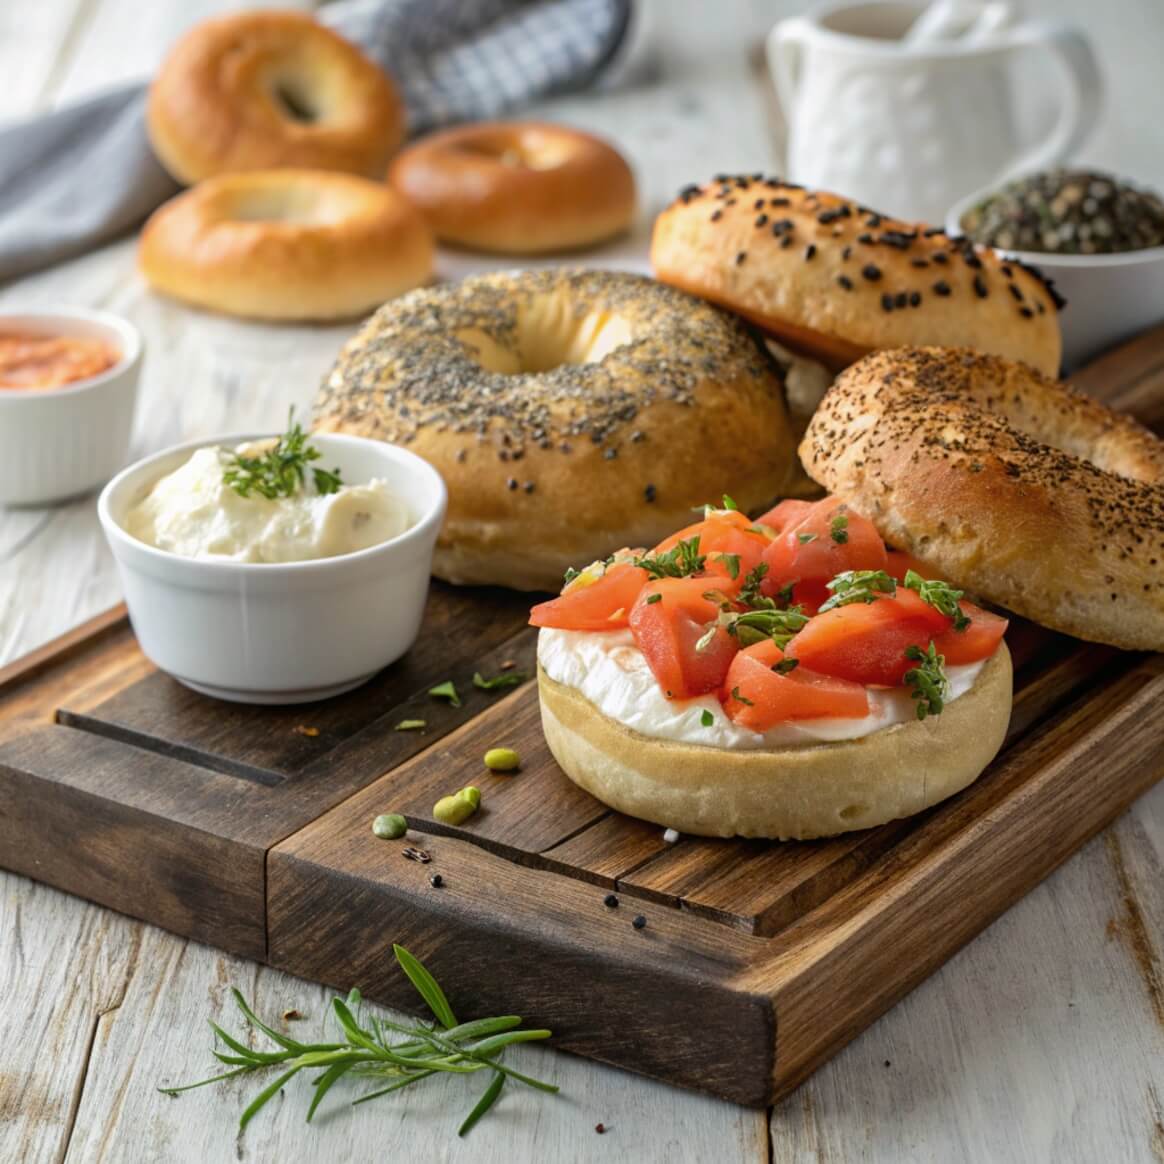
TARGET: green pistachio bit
(502,760)
(389,826)
(453,810)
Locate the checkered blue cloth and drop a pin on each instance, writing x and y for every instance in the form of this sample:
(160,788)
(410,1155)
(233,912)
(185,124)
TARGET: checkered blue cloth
(76,178)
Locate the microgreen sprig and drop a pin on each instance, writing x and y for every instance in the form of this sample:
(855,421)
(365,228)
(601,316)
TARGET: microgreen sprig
(365,1052)
(927,681)
(281,470)
(941,596)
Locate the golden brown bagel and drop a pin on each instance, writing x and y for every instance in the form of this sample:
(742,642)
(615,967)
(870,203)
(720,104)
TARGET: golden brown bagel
(570,413)
(257,90)
(286,244)
(785,793)
(517,187)
(1008,483)
(836,280)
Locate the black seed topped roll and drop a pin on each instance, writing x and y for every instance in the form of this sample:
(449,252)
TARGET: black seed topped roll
(796,286)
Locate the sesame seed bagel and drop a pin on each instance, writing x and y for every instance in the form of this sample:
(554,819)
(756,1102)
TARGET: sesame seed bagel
(1014,486)
(286,244)
(836,280)
(517,187)
(256,90)
(794,793)
(571,413)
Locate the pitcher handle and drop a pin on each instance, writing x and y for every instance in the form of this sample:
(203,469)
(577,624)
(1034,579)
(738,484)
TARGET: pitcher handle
(1083,94)
(784,45)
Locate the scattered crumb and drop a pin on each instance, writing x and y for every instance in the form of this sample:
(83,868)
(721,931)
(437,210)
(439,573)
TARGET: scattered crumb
(600,1128)
(887,1063)
(291,1015)
(670,836)
(508,665)
(304,730)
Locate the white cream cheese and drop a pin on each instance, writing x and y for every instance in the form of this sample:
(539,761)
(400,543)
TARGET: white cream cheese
(194,513)
(611,672)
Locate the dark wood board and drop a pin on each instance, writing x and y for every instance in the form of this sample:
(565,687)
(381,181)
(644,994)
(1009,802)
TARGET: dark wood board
(249,828)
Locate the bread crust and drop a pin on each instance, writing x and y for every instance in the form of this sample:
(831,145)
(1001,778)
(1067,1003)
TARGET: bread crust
(517,187)
(286,244)
(1009,484)
(836,280)
(788,793)
(552,468)
(220,102)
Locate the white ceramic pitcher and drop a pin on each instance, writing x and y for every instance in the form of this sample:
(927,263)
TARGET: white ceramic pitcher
(909,128)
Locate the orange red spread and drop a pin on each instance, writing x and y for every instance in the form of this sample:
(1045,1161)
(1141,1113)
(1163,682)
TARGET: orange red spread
(795,615)
(43,362)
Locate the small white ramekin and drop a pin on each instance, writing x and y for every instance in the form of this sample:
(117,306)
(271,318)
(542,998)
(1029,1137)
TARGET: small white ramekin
(1110,297)
(64,442)
(288,632)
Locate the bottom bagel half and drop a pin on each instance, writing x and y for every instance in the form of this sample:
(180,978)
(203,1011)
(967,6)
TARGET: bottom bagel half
(782,793)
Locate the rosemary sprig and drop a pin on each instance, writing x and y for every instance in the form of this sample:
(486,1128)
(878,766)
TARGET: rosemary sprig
(281,470)
(927,681)
(365,1052)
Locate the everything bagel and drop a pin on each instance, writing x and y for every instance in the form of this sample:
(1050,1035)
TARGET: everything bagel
(570,413)
(1010,484)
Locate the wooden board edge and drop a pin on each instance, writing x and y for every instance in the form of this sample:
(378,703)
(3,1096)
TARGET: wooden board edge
(60,649)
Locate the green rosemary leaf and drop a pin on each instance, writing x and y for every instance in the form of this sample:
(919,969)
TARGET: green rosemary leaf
(324,1084)
(257,1103)
(204,1082)
(495,1043)
(446,690)
(259,1058)
(487,1100)
(479,1028)
(355,1033)
(406,1082)
(426,986)
(499,682)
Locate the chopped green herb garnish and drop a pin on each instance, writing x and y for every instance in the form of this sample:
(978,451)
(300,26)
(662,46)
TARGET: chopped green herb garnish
(653,598)
(706,718)
(839,529)
(941,596)
(750,595)
(411,725)
(682,560)
(784,594)
(785,665)
(741,698)
(805,538)
(732,562)
(499,682)
(927,681)
(446,690)
(728,503)
(281,470)
(858,586)
(571,574)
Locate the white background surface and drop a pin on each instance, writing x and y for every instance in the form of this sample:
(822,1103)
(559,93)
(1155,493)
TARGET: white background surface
(1043,1040)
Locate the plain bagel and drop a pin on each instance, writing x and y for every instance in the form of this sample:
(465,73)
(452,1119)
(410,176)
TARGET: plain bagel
(836,280)
(571,413)
(520,187)
(286,244)
(787,793)
(1014,486)
(256,90)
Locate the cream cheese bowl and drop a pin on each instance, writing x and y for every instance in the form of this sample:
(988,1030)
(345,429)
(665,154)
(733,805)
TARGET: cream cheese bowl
(63,442)
(280,632)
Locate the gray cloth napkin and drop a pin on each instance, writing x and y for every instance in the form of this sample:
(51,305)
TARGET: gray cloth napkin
(76,178)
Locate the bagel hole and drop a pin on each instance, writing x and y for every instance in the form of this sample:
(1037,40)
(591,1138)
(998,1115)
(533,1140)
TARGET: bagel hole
(295,101)
(549,335)
(516,155)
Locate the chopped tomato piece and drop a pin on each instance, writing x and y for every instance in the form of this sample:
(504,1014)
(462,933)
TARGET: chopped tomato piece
(602,604)
(828,540)
(757,697)
(670,617)
(900,563)
(785,513)
(976,642)
(728,532)
(866,642)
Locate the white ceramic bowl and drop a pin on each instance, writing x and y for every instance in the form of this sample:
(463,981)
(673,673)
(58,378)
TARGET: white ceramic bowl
(280,632)
(1110,298)
(67,441)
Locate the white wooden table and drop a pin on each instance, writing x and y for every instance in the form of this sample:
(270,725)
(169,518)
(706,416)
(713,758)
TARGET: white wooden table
(1043,1040)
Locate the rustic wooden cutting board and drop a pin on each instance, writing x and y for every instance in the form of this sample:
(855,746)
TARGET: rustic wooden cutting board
(249,828)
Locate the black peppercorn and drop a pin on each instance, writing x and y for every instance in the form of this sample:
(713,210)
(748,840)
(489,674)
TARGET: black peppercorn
(436,881)
(639,922)
(610,901)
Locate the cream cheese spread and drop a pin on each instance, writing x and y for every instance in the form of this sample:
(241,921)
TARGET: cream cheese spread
(193,512)
(609,670)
